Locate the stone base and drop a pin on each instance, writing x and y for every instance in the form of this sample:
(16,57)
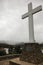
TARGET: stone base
(26,63)
(31,53)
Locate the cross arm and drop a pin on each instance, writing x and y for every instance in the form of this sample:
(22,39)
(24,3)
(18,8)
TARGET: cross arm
(37,9)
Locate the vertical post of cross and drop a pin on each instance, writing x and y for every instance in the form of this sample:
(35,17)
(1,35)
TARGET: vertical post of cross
(31,28)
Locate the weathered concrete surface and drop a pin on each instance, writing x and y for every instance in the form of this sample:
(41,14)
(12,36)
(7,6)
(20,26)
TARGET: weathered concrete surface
(15,61)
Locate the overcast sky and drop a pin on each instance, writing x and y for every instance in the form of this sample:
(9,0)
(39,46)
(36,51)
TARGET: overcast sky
(12,27)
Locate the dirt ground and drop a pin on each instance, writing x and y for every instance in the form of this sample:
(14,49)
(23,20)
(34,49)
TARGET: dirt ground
(6,62)
(17,60)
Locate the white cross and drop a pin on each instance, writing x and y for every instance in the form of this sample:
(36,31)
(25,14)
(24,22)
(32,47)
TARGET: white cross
(30,15)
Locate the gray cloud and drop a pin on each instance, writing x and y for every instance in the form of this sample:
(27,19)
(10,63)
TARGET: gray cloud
(12,27)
